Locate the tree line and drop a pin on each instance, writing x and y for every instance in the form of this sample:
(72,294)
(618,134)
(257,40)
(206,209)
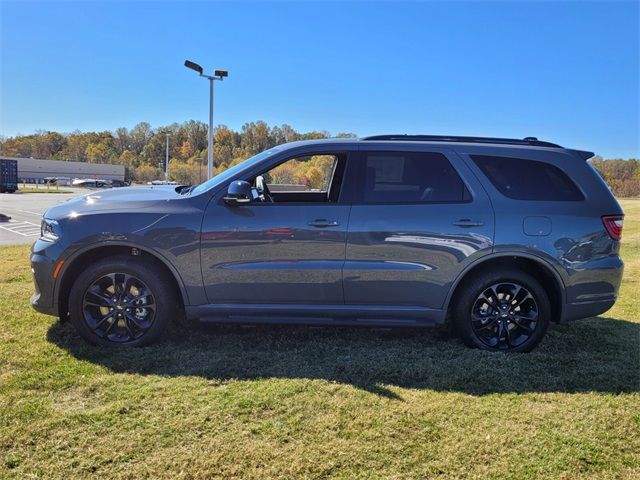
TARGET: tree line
(622,176)
(141,150)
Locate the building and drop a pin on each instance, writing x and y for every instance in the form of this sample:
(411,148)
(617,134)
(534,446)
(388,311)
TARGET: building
(33,170)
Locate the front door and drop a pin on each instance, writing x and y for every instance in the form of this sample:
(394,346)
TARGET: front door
(288,245)
(417,220)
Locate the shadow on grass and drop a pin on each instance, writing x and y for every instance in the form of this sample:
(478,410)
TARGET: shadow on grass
(596,354)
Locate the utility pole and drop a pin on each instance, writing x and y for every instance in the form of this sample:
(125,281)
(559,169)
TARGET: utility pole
(166,163)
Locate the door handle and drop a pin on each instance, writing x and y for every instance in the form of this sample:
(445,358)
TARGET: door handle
(322,223)
(466,223)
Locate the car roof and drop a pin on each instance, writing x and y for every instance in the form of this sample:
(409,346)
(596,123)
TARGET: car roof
(444,141)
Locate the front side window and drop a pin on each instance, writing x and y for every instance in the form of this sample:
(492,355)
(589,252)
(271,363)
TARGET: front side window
(315,178)
(411,177)
(230,172)
(303,174)
(522,179)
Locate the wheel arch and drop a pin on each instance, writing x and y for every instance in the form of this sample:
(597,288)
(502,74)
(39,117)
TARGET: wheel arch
(542,270)
(82,258)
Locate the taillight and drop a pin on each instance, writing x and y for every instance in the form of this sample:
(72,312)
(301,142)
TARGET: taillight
(613,225)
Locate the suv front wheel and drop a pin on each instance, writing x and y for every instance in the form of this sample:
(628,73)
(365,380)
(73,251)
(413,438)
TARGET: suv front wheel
(502,311)
(122,301)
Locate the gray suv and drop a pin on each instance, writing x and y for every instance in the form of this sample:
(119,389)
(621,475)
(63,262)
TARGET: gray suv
(497,237)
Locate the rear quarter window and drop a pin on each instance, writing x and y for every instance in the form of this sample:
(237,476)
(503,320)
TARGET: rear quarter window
(523,179)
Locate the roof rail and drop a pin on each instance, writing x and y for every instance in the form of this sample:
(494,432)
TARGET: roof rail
(531,141)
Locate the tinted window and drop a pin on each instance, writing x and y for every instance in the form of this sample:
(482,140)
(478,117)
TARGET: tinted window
(527,179)
(411,177)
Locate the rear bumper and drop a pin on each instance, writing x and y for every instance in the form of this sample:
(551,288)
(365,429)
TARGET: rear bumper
(594,290)
(574,311)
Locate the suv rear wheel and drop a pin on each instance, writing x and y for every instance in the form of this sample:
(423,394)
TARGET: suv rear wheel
(122,301)
(502,311)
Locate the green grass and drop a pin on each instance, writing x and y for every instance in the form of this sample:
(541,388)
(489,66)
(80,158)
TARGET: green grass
(300,402)
(42,189)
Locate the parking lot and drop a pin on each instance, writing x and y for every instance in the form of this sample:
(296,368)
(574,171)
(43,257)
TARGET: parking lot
(25,210)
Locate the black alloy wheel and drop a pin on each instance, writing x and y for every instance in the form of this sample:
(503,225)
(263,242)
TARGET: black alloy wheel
(123,301)
(504,316)
(503,310)
(119,307)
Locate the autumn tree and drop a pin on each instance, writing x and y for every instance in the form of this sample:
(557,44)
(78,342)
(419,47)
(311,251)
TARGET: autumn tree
(225,142)
(196,133)
(622,176)
(139,136)
(146,173)
(186,150)
(122,140)
(256,137)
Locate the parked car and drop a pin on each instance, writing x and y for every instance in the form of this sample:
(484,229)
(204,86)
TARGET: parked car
(90,183)
(162,182)
(60,181)
(118,183)
(498,237)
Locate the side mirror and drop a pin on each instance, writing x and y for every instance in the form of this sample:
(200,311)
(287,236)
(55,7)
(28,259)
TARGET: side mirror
(238,193)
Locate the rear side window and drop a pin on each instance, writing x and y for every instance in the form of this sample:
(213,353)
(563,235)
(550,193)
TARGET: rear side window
(411,177)
(522,179)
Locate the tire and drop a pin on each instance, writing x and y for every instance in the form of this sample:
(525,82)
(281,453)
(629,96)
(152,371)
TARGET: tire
(122,301)
(506,310)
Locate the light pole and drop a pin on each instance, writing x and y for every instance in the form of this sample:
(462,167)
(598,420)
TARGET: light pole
(166,163)
(217,75)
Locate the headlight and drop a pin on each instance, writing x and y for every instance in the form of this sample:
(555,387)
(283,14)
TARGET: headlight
(49,230)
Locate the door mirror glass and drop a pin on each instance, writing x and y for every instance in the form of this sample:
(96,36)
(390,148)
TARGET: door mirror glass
(238,193)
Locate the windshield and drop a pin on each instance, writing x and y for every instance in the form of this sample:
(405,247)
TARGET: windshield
(230,172)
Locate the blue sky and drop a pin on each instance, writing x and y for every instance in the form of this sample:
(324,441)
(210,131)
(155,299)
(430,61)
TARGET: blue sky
(563,71)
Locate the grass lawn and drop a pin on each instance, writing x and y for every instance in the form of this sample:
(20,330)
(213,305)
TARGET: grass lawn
(42,189)
(301,402)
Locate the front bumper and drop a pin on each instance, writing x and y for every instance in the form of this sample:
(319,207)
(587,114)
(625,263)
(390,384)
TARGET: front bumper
(43,259)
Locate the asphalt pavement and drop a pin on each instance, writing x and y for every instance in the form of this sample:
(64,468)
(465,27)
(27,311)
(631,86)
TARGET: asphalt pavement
(25,210)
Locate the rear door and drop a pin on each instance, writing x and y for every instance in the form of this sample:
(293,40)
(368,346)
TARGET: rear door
(418,218)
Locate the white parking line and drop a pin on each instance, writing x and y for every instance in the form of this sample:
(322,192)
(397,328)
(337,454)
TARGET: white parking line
(26,229)
(24,224)
(4,207)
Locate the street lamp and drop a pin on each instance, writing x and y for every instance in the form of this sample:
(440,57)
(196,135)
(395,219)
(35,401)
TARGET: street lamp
(217,75)
(166,163)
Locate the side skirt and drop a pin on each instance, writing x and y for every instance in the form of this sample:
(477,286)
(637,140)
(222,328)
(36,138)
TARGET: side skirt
(330,315)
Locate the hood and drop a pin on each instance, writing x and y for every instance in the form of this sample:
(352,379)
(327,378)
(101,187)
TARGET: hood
(123,199)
